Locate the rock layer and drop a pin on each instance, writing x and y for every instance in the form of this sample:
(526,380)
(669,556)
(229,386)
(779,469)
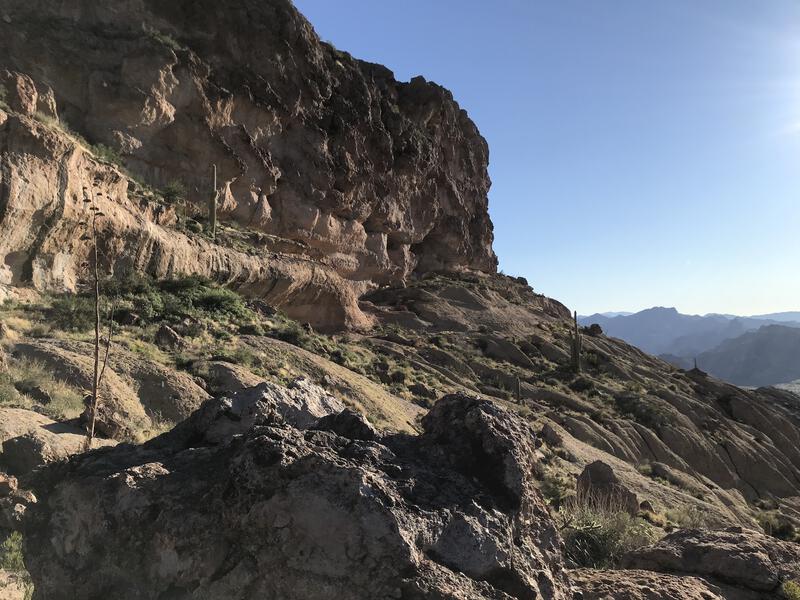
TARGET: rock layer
(353,178)
(236,503)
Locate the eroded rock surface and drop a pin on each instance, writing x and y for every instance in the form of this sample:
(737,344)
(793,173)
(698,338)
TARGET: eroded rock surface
(345,177)
(238,504)
(749,564)
(641,585)
(29,440)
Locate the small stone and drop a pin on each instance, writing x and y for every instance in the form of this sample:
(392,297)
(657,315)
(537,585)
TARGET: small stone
(168,338)
(8,484)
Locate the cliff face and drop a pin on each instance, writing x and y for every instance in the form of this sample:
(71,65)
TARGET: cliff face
(352,178)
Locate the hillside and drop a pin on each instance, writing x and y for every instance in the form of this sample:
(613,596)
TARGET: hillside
(334,393)
(766,356)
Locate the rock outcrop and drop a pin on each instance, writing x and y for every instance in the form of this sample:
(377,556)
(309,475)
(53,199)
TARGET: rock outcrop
(237,503)
(29,440)
(641,585)
(599,482)
(345,177)
(745,563)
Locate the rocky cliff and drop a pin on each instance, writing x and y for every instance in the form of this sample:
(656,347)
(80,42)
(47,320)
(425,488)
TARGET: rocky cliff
(344,177)
(444,446)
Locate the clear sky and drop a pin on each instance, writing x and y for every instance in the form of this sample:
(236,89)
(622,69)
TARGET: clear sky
(643,152)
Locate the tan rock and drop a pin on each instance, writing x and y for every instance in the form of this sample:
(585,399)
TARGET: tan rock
(305,155)
(29,440)
(736,557)
(641,585)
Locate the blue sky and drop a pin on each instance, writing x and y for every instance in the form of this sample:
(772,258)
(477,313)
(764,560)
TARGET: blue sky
(643,152)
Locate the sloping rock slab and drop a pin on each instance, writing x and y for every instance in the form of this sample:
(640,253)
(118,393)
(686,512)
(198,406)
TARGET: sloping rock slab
(641,585)
(737,557)
(273,511)
(29,440)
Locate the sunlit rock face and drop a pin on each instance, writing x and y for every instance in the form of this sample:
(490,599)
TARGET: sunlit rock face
(352,178)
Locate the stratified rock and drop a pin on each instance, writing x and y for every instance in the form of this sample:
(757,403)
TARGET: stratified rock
(641,585)
(598,481)
(272,511)
(350,178)
(740,558)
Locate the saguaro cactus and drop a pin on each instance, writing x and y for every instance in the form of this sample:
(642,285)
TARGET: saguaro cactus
(212,207)
(577,345)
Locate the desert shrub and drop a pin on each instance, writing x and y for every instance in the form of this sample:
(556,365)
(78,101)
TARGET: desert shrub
(289,331)
(162,38)
(597,531)
(28,383)
(107,154)
(11,553)
(9,395)
(777,525)
(175,299)
(72,313)
(641,410)
(791,590)
(687,517)
(557,487)
(174,192)
(237,354)
(3,97)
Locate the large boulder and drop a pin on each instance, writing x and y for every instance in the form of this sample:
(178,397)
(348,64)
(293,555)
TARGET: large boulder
(237,503)
(598,482)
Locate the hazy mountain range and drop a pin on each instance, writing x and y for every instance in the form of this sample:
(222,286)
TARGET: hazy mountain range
(745,350)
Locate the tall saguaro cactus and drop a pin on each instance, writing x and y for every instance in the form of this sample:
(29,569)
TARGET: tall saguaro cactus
(577,345)
(212,207)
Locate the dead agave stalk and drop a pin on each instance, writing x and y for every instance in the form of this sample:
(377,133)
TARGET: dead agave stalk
(97,373)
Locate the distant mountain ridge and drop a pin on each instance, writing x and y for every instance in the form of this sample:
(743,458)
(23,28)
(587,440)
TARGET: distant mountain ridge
(725,345)
(767,356)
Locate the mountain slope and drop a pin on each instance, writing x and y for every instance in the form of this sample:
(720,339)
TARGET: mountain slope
(356,205)
(767,356)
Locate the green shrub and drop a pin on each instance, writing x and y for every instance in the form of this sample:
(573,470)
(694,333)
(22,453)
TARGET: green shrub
(72,313)
(557,487)
(642,410)
(9,395)
(174,192)
(687,517)
(107,154)
(176,299)
(777,525)
(11,553)
(29,384)
(791,590)
(162,38)
(597,531)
